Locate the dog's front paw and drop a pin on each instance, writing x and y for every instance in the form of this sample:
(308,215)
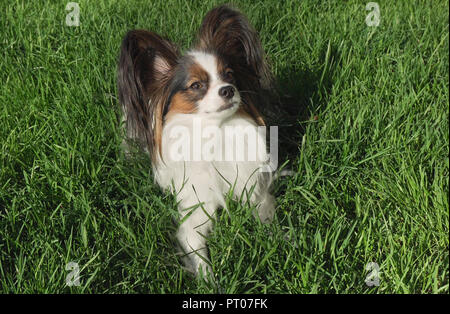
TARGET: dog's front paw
(266,209)
(204,271)
(198,267)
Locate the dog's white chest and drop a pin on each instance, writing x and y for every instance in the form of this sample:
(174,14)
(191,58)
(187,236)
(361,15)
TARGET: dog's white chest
(200,153)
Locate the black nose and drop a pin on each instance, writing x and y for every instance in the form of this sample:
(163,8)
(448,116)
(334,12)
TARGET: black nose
(226,91)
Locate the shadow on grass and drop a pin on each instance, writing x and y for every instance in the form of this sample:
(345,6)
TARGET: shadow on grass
(301,94)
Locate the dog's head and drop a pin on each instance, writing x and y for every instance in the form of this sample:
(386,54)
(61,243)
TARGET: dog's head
(224,71)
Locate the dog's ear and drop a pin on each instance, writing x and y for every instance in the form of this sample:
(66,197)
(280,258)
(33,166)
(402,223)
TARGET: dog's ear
(146,64)
(228,32)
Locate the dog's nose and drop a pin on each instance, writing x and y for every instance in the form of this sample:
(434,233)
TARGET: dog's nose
(226,91)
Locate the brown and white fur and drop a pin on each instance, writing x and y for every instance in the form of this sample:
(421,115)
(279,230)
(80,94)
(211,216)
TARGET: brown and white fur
(219,82)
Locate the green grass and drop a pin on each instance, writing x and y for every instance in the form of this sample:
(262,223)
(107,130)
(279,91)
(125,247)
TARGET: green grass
(371,170)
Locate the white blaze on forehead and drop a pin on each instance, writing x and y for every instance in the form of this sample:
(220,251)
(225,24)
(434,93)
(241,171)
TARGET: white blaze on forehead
(208,62)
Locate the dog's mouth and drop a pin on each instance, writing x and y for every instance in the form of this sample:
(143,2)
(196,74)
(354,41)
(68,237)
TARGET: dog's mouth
(226,106)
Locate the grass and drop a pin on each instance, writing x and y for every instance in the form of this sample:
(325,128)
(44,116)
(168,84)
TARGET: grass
(370,153)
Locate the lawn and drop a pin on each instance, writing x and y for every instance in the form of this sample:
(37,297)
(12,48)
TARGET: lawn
(366,134)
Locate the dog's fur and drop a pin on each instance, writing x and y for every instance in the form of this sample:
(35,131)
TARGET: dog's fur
(220,83)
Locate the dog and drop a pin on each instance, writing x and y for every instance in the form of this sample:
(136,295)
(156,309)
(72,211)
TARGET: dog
(171,100)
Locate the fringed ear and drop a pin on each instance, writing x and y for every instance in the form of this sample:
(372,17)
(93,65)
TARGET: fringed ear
(145,68)
(229,33)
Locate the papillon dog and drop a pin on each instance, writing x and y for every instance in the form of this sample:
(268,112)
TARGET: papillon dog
(205,103)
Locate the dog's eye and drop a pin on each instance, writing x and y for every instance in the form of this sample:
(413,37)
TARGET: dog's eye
(229,74)
(196,85)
